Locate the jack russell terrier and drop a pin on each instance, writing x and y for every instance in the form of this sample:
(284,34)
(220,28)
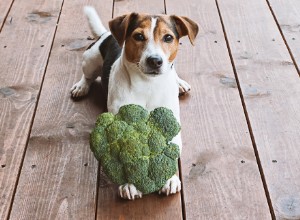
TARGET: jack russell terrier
(137,59)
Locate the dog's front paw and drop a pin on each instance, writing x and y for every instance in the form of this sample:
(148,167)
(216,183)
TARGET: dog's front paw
(184,87)
(128,191)
(172,186)
(80,88)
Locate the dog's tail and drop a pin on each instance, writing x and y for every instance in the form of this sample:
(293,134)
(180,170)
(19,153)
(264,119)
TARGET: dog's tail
(94,21)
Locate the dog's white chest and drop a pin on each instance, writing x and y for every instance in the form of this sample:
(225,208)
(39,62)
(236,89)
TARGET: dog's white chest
(132,88)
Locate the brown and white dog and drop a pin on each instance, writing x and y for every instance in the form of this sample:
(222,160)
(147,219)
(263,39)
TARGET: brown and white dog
(137,60)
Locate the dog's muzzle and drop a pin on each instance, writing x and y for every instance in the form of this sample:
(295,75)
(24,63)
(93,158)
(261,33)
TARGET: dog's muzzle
(154,63)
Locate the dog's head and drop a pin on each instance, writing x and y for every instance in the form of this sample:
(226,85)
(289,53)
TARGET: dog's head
(151,41)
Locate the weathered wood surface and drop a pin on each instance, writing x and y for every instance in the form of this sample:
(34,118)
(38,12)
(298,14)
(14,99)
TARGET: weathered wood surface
(25,44)
(149,7)
(153,206)
(58,179)
(220,174)
(4,8)
(271,91)
(287,13)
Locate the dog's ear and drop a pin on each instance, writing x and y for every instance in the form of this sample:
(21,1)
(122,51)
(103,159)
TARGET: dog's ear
(119,26)
(185,26)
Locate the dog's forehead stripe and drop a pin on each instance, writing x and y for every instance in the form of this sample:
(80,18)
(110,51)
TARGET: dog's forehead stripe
(153,25)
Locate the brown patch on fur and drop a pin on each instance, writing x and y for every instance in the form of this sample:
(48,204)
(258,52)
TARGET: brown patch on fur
(133,48)
(125,27)
(162,28)
(185,26)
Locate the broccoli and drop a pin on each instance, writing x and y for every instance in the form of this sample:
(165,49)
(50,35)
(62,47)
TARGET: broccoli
(134,146)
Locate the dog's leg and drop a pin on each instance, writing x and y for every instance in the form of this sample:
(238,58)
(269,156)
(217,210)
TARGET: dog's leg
(184,87)
(92,60)
(129,191)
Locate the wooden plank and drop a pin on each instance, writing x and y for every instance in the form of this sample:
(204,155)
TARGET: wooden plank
(153,206)
(25,44)
(270,87)
(149,7)
(219,170)
(59,175)
(4,8)
(288,17)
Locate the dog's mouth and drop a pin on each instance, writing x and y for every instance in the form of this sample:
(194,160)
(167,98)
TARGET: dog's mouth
(153,73)
(148,71)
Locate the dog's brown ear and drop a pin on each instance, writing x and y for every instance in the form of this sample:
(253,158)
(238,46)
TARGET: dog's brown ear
(186,26)
(119,26)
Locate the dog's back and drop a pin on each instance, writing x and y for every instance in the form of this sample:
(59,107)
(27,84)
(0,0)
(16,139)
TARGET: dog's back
(109,47)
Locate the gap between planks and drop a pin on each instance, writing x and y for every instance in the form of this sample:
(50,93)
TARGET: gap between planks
(283,37)
(5,17)
(246,116)
(219,138)
(183,209)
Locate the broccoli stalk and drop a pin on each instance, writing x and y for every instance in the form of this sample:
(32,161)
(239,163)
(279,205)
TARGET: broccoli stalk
(134,146)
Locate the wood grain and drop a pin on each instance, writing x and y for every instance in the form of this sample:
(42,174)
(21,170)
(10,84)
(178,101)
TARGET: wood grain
(128,6)
(219,170)
(287,14)
(58,179)
(270,87)
(4,8)
(25,44)
(153,206)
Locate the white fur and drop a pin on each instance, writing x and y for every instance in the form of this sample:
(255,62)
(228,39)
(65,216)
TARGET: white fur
(92,61)
(94,21)
(184,87)
(154,49)
(173,185)
(129,191)
(128,84)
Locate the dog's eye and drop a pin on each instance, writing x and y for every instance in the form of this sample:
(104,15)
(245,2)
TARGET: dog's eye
(139,37)
(168,38)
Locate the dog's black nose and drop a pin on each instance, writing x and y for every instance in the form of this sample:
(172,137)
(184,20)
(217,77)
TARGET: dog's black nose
(154,62)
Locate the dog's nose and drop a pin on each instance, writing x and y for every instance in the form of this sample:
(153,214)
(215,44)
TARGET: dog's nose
(154,62)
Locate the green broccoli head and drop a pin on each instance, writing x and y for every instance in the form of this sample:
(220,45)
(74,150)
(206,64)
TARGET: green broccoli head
(164,121)
(132,114)
(134,146)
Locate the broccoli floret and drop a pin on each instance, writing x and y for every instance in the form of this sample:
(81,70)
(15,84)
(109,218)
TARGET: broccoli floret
(105,119)
(164,120)
(157,142)
(132,113)
(131,150)
(115,130)
(146,185)
(166,169)
(172,151)
(134,146)
(110,166)
(98,142)
(142,127)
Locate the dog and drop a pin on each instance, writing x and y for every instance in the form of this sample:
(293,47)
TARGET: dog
(137,58)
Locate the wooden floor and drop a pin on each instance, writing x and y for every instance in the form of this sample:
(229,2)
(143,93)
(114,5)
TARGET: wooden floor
(240,122)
